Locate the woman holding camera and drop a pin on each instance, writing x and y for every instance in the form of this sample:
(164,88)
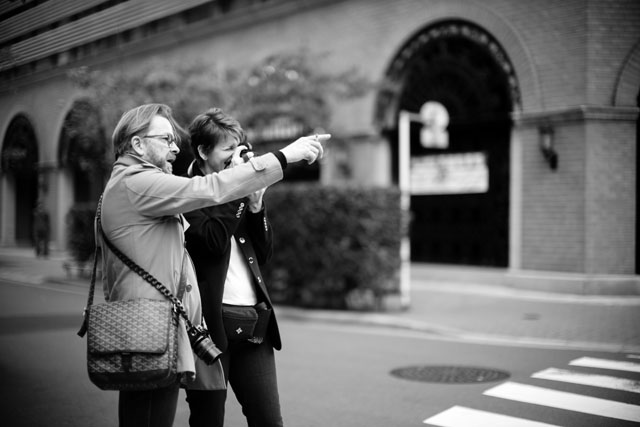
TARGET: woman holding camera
(227,244)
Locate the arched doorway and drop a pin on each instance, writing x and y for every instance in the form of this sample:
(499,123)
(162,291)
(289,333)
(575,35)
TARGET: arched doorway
(20,163)
(82,152)
(460,66)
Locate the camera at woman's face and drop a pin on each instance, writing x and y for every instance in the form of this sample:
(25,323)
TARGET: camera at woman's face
(245,150)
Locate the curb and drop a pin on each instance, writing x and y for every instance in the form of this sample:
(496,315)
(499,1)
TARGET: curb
(555,282)
(498,291)
(441,332)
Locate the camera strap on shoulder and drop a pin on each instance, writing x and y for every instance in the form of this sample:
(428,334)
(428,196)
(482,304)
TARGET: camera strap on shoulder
(177,303)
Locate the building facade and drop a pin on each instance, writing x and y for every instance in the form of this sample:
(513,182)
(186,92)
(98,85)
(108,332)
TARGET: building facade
(538,100)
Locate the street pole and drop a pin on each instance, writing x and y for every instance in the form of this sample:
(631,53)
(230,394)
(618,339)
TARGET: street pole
(434,119)
(404,183)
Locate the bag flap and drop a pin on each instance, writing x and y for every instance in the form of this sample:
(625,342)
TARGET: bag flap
(239,312)
(133,326)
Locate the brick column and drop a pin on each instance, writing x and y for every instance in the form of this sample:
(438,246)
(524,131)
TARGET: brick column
(574,226)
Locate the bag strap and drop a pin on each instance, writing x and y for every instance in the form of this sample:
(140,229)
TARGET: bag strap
(177,304)
(83,327)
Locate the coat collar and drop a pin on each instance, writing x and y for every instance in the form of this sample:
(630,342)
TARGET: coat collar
(130,159)
(194,170)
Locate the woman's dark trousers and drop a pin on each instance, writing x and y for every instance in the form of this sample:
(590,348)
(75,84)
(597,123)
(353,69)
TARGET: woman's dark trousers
(251,371)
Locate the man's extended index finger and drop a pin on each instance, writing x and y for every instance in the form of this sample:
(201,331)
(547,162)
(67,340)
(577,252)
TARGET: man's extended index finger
(323,136)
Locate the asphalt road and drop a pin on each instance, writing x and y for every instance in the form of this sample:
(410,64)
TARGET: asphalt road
(330,375)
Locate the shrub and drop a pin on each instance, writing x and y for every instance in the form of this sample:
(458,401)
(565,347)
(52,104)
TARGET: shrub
(80,238)
(334,247)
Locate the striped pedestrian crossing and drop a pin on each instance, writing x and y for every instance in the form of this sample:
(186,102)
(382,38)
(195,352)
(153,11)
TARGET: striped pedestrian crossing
(563,400)
(603,381)
(617,365)
(460,416)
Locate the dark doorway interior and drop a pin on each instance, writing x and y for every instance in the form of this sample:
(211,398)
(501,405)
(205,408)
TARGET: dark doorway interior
(470,229)
(20,159)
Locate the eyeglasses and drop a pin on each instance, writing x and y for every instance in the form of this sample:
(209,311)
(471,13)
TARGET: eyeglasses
(169,139)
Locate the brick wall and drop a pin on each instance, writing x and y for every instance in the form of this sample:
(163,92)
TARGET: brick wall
(610,210)
(553,202)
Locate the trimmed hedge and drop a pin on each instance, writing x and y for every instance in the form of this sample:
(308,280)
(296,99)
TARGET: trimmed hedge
(335,247)
(80,237)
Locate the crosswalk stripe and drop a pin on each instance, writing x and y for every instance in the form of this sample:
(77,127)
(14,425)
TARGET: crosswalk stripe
(459,416)
(563,400)
(603,381)
(592,362)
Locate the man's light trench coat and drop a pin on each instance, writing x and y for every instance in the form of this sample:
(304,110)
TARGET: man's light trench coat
(141,210)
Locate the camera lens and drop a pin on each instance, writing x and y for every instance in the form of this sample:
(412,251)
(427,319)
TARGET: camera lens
(204,347)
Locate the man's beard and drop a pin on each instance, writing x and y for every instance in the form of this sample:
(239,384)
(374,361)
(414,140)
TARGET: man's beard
(162,163)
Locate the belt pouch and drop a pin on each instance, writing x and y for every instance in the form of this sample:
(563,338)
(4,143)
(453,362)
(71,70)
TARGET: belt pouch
(239,321)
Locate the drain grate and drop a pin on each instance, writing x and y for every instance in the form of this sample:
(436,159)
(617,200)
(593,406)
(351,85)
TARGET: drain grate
(450,374)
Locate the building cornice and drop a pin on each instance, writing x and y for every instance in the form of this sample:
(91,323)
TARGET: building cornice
(218,23)
(578,113)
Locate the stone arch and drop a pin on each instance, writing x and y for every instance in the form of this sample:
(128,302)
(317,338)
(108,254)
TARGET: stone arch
(388,96)
(627,88)
(19,160)
(508,38)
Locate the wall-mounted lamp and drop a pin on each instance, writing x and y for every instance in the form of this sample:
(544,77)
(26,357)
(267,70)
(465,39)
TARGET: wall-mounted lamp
(547,146)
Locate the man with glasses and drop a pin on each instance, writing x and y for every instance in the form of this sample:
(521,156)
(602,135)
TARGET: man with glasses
(142,208)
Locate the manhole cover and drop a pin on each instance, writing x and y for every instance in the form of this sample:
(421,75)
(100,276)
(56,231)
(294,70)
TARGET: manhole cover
(450,374)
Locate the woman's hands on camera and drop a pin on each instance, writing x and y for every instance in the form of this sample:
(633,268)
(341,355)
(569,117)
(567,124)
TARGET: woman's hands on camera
(241,155)
(307,148)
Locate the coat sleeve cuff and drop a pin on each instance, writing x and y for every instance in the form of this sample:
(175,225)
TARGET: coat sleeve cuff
(281,158)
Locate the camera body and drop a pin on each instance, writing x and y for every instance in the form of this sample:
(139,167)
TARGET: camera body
(203,346)
(246,149)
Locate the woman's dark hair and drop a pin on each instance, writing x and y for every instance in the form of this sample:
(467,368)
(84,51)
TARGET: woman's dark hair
(211,127)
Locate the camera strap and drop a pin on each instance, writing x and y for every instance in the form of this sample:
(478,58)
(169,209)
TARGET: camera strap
(177,304)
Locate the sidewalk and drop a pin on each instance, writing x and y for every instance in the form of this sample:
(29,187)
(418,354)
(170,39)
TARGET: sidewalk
(476,312)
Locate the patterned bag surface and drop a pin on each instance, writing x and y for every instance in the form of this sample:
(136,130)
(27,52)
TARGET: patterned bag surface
(132,345)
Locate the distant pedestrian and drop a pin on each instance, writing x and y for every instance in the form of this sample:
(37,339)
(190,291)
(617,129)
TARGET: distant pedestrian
(41,230)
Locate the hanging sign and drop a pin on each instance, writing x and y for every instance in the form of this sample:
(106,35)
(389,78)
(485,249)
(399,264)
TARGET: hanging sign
(455,173)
